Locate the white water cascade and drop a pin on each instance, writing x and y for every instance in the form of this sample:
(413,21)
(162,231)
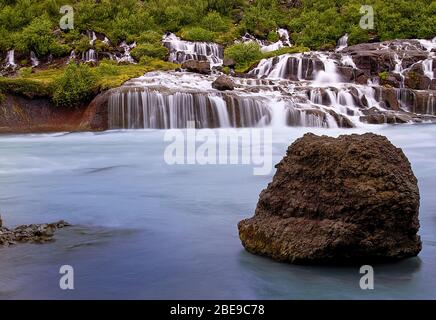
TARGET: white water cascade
(342,43)
(92,36)
(10,60)
(89,56)
(126,57)
(181,50)
(313,89)
(34,59)
(427,66)
(265,46)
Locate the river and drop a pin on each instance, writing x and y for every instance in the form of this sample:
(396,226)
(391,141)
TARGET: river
(144,229)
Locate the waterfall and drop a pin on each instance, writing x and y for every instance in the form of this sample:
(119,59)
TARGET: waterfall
(347,60)
(427,67)
(329,74)
(288,66)
(342,43)
(91,35)
(283,41)
(431,102)
(34,59)
(284,36)
(89,56)
(181,51)
(10,60)
(141,108)
(126,57)
(399,68)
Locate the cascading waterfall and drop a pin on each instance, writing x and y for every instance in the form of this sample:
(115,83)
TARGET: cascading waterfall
(34,59)
(329,74)
(181,51)
(313,89)
(126,57)
(170,100)
(141,108)
(10,60)
(288,66)
(427,67)
(92,36)
(89,56)
(342,43)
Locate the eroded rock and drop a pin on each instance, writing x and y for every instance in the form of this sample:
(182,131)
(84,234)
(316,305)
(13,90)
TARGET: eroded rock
(350,198)
(33,233)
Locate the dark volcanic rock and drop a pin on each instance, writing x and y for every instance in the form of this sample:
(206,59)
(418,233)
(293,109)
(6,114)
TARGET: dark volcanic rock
(223,83)
(202,67)
(34,233)
(350,198)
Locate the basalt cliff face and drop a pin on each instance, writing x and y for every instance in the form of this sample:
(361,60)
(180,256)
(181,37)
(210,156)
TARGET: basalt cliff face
(19,114)
(352,198)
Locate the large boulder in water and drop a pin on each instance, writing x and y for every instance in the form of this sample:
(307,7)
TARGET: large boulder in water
(223,83)
(352,198)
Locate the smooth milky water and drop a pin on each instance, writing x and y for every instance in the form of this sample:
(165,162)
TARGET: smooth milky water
(148,230)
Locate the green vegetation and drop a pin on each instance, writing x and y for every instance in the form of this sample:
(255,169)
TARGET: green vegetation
(29,24)
(150,50)
(33,25)
(74,84)
(384,75)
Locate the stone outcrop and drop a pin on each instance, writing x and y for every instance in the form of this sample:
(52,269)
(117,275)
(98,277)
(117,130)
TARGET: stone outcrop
(202,67)
(20,114)
(352,198)
(34,233)
(223,83)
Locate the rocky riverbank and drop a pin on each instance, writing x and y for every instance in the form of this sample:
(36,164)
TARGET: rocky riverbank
(22,114)
(33,233)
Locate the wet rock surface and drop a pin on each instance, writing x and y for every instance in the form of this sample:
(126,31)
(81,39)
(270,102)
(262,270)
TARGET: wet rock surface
(33,233)
(347,199)
(202,67)
(223,83)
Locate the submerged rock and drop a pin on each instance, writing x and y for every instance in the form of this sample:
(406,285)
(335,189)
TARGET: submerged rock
(34,233)
(350,198)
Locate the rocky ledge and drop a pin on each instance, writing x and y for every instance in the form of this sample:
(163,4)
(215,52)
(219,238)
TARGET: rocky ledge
(33,233)
(347,199)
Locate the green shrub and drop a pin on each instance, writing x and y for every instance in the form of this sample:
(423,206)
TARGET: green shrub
(100,46)
(149,36)
(59,50)
(384,75)
(214,22)
(244,54)
(36,37)
(149,50)
(25,72)
(197,34)
(75,86)
(107,68)
(273,36)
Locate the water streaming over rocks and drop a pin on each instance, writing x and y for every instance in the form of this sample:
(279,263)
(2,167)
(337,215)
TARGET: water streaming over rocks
(181,50)
(344,88)
(266,46)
